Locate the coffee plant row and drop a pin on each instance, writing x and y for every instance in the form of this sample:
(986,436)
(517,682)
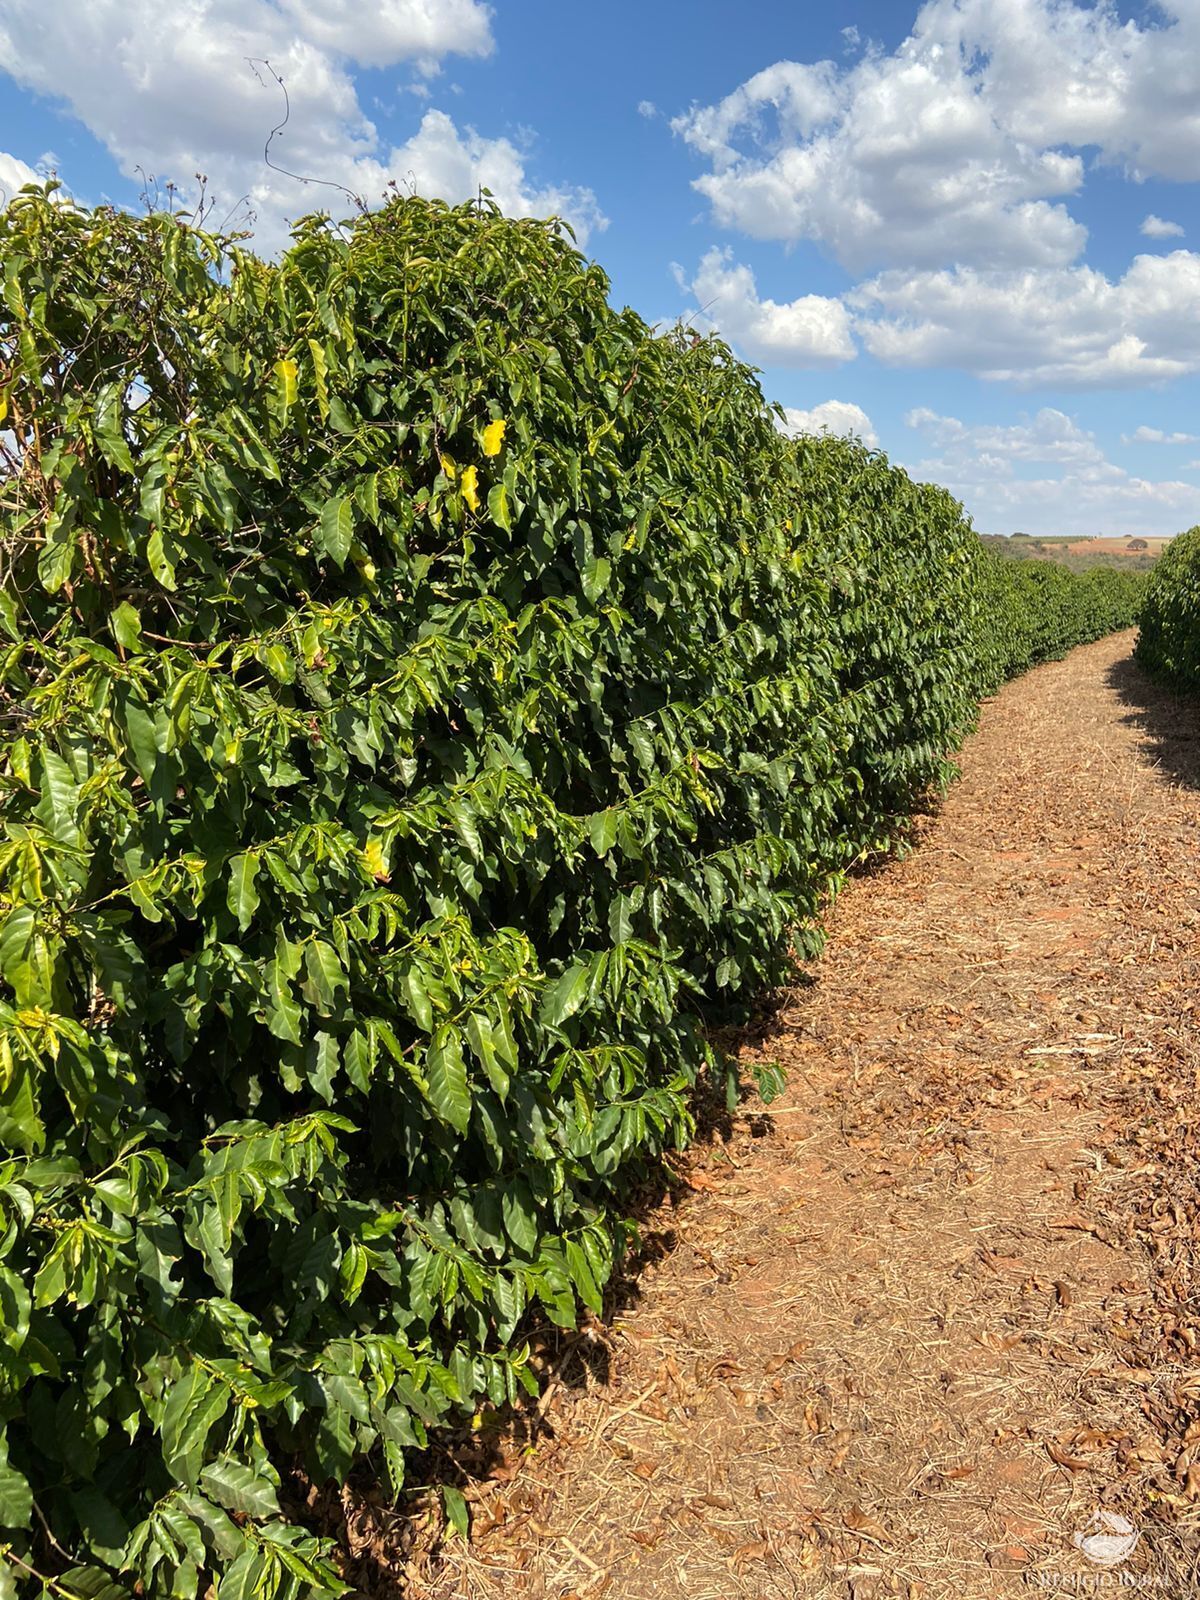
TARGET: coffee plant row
(1169,640)
(426,695)
(1036,611)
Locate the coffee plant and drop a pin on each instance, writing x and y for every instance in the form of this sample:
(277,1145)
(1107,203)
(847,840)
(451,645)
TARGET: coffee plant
(1169,636)
(1035,611)
(426,695)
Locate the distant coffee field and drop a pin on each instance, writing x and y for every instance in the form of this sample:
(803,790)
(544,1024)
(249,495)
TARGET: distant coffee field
(429,696)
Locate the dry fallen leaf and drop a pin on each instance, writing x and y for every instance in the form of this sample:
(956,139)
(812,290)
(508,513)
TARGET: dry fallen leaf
(751,1552)
(866,1526)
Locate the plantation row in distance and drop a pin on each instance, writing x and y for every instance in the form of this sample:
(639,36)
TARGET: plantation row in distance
(429,698)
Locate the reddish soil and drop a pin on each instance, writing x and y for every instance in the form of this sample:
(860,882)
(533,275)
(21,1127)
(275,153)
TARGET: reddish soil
(909,1328)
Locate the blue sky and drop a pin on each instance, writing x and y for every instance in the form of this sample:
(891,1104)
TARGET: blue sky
(967,230)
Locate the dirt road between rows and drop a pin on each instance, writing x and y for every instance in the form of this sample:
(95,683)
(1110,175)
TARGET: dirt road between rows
(929,1323)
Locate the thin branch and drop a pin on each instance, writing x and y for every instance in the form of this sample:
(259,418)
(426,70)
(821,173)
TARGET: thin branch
(277,132)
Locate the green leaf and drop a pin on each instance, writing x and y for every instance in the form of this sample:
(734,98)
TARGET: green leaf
(195,1404)
(21,1125)
(620,919)
(16,1498)
(282,1008)
(520,1219)
(89,1583)
(320,377)
(596,576)
(484,1046)
(247,1578)
(325,974)
(582,1277)
(114,446)
(352,1272)
(446,1074)
(160,552)
(335,531)
(465,827)
(358,1057)
(279,663)
(26,961)
(498,508)
(565,996)
(61,795)
(57,556)
(366,492)
(15,1306)
(141,728)
(419,1004)
(242,895)
(325,1065)
(771,1080)
(340,415)
(456,1510)
(126,627)
(238,1487)
(602,831)
(248,447)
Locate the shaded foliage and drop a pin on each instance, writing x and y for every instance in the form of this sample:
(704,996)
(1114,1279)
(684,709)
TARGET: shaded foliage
(1169,638)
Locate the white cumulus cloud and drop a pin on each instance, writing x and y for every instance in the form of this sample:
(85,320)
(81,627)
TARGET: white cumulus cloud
(442,160)
(14,174)
(1145,435)
(842,417)
(1050,435)
(1159,228)
(961,145)
(387,31)
(811,331)
(174,93)
(1046,475)
(1071,326)
(941,175)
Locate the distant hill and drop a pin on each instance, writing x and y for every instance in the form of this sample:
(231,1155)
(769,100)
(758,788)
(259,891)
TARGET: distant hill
(1132,554)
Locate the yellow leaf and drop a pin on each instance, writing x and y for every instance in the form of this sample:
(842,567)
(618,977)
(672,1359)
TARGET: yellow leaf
(493,437)
(376,860)
(468,488)
(4,407)
(286,372)
(448,467)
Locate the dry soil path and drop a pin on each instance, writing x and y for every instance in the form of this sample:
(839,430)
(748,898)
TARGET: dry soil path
(911,1327)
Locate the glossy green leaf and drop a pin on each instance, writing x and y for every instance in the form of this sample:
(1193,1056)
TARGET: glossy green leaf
(336,529)
(449,1092)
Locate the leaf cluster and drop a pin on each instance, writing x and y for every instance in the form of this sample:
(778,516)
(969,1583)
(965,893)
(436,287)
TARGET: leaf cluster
(1035,611)
(1169,621)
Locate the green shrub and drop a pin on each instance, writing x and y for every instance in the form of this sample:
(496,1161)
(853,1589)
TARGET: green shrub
(426,694)
(1169,637)
(1035,611)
